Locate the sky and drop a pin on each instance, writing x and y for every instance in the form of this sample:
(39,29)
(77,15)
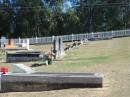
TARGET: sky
(69,4)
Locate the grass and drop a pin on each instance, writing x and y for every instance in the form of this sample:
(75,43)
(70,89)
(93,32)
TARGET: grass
(109,57)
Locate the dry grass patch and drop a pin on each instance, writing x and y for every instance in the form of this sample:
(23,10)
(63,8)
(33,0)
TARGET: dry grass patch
(110,57)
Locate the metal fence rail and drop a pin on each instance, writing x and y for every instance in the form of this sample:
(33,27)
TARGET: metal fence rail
(76,37)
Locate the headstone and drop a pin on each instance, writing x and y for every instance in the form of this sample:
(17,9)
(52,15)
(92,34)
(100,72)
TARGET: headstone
(21,68)
(56,47)
(61,48)
(3,42)
(25,44)
(81,41)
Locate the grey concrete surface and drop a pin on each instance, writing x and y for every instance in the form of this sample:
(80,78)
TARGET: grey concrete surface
(50,81)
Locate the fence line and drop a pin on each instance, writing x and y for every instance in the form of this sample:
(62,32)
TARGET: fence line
(76,37)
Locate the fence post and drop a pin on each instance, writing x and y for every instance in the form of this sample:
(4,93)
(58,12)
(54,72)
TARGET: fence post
(72,37)
(92,35)
(36,40)
(19,41)
(53,38)
(112,34)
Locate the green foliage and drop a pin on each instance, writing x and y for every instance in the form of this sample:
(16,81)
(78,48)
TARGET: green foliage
(31,18)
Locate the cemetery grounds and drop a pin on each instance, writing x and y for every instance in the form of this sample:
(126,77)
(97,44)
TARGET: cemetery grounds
(109,57)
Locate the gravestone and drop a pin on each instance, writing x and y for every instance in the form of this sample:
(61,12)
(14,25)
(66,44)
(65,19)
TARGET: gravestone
(61,48)
(58,49)
(3,42)
(25,43)
(21,68)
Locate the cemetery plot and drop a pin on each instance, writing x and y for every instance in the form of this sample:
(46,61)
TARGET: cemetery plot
(22,56)
(49,81)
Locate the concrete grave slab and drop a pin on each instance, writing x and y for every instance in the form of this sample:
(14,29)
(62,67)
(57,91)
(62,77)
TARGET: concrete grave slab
(21,68)
(50,81)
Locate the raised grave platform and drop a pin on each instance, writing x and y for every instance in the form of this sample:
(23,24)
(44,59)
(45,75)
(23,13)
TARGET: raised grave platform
(49,81)
(22,56)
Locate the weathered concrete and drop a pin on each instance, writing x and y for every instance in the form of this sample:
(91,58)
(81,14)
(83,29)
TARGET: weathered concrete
(50,81)
(21,68)
(22,56)
(58,48)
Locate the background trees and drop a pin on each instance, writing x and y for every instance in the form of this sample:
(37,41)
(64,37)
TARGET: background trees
(31,18)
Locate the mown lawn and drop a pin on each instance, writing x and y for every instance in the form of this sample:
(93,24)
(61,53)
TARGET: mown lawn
(109,57)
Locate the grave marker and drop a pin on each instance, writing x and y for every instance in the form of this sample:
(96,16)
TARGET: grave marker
(25,43)
(61,48)
(3,42)
(58,47)
(21,68)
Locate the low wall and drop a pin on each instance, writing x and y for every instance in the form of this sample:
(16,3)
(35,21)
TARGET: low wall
(49,81)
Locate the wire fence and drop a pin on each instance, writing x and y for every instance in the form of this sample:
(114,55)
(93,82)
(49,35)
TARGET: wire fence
(77,37)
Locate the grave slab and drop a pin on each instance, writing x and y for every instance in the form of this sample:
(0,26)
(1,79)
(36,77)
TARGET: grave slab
(21,68)
(50,81)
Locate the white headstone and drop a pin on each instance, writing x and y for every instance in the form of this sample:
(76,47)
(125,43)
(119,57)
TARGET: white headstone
(3,42)
(81,41)
(21,68)
(27,44)
(19,40)
(23,43)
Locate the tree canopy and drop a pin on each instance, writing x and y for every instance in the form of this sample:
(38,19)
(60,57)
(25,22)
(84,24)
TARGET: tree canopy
(31,18)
